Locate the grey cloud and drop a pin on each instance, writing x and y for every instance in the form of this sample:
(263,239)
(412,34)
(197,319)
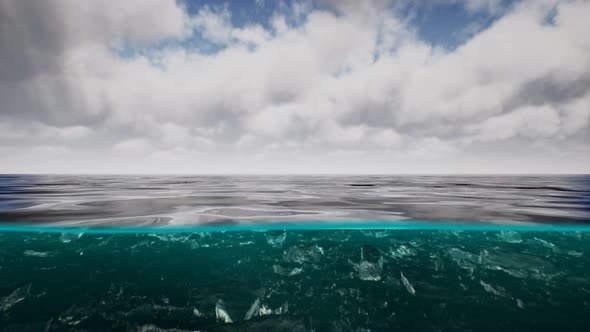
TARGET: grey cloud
(548,90)
(35,35)
(42,78)
(32,40)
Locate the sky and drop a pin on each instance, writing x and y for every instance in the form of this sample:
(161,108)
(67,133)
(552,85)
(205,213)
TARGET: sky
(299,86)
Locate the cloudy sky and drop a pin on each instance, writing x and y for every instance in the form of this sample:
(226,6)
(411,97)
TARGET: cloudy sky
(326,86)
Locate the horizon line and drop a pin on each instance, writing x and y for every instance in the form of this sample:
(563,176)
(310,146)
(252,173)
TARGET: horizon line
(415,225)
(301,174)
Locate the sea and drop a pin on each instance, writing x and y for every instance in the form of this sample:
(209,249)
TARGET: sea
(294,253)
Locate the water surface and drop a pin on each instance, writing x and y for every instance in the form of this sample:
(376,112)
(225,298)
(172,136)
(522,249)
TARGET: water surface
(214,200)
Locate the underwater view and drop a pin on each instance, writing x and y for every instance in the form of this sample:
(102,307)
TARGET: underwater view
(294,253)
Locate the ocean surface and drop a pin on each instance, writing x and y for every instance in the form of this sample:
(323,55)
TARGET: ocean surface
(294,253)
(222,200)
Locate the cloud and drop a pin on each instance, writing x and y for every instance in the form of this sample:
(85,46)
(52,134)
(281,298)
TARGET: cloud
(530,122)
(490,5)
(356,81)
(214,23)
(36,36)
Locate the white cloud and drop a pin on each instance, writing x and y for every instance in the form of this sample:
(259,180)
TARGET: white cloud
(576,116)
(134,146)
(490,5)
(215,26)
(528,121)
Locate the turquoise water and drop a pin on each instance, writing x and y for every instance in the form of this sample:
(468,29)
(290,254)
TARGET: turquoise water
(453,279)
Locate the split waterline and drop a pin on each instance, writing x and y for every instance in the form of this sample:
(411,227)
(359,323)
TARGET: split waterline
(299,226)
(322,253)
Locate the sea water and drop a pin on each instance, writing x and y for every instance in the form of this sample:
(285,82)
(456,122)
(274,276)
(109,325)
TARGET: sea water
(153,253)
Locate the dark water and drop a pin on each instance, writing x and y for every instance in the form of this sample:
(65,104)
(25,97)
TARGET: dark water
(82,268)
(339,280)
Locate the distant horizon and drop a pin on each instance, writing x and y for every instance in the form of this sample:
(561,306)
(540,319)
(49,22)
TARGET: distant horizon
(310,174)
